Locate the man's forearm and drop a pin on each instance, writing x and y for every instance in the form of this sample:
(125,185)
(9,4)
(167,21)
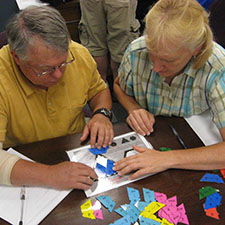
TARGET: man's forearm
(16,171)
(101,100)
(29,173)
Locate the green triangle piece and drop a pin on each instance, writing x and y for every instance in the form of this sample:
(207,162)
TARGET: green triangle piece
(206,191)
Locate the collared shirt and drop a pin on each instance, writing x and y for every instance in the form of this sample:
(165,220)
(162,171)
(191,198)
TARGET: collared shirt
(29,114)
(192,92)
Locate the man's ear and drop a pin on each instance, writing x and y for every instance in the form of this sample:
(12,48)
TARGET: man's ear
(15,56)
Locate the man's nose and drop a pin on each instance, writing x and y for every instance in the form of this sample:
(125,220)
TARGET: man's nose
(57,73)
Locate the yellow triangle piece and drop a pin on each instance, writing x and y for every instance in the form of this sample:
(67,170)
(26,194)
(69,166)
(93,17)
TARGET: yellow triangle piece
(153,207)
(166,222)
(86,206)
(89,214)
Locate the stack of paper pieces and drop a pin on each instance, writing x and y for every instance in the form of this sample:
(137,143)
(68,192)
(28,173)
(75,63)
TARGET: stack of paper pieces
(156,209)
(92,211)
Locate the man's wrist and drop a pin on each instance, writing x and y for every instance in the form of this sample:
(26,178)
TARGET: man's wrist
(105,112)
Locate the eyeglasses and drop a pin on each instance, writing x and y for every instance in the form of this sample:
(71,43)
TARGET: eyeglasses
(52,70)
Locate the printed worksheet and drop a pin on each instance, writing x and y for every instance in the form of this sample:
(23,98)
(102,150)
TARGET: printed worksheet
(38,202)
(204,127)
(22,4)
(102,161)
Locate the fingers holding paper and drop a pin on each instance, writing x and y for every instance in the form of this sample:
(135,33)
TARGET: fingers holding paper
(147,161)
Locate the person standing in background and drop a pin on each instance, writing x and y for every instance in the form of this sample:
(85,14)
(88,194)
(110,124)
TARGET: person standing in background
(106,29)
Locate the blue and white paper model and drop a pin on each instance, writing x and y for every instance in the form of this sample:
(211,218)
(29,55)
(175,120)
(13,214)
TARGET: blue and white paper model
(102,161)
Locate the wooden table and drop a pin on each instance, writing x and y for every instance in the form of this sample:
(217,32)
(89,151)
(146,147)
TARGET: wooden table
(184,184)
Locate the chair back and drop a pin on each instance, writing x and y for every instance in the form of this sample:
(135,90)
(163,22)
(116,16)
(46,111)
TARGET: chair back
(3,39)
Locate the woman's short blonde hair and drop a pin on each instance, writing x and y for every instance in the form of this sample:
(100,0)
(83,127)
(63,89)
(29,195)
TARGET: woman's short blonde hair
(181,23)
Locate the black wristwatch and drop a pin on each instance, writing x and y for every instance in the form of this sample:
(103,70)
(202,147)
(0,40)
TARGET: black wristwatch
(105,112)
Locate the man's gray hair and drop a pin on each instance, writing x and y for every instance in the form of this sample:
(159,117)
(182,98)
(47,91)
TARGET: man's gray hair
(42,22)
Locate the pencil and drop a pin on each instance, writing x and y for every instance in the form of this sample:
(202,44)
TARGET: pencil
(178,137)
(22,198)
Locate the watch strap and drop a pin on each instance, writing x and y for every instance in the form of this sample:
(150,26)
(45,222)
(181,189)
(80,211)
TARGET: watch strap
(104,111)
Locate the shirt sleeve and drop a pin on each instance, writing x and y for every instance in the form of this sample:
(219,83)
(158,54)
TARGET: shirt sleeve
(7,161)
(3,119)
(97,84)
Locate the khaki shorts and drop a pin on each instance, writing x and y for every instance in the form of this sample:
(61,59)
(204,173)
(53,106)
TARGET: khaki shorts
(108,26)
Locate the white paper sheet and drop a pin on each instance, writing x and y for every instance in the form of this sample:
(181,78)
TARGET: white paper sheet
(122,149)
(22,4)
(39,202)
(205,128)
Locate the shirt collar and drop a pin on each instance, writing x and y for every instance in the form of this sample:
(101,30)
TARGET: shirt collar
(189,69)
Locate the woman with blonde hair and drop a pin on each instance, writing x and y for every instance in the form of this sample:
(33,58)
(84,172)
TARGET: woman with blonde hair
(174,69)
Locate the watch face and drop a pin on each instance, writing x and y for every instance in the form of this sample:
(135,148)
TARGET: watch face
(106,112)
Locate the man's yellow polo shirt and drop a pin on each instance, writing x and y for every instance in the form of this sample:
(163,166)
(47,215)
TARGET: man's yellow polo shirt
(29,114)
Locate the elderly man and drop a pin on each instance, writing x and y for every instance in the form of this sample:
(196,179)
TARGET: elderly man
(45,81)
(175,69)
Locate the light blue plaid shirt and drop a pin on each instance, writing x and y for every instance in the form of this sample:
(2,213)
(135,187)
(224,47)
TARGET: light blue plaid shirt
(192,92)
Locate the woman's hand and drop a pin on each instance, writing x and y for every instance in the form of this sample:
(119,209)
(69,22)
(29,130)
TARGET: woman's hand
(141,121)
(147,161)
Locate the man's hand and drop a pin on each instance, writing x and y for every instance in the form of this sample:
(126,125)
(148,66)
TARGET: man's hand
(69,175)
(65,175)
(100,129)
(141,121)
(147,161)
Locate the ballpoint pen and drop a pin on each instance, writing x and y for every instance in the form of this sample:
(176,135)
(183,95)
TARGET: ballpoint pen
(178,137)
(22,198)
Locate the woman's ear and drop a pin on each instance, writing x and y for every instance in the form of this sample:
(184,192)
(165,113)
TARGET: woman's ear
(197,51)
